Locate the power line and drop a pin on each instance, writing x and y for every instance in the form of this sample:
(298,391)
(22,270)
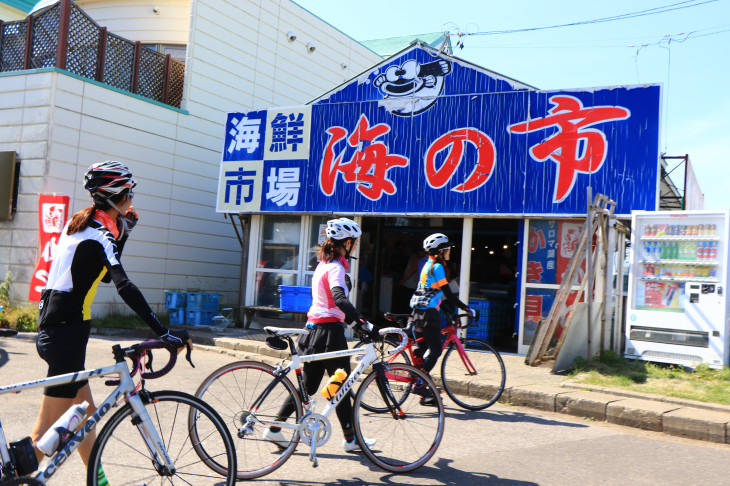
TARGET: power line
(640,13)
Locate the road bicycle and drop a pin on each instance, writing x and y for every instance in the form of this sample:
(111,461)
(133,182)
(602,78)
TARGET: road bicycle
(249,394)
(472,371)
(155,437)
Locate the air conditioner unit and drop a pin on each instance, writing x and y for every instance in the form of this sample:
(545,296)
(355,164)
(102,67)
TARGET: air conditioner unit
(8,185)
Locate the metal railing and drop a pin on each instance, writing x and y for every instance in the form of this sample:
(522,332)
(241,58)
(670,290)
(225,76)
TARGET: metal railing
(64,36)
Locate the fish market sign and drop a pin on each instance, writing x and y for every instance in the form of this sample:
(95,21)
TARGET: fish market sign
(420,135)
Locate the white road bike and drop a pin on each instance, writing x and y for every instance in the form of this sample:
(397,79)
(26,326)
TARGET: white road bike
(249,394)
(160,437)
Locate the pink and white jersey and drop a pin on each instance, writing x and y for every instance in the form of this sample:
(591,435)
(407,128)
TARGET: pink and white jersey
(326,276)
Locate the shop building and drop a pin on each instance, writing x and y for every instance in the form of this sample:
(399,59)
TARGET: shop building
(424,142)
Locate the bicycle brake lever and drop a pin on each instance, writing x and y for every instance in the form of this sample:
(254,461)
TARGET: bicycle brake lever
(148,363)
(188,354)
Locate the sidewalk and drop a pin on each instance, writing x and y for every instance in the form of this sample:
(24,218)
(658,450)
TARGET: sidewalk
(536,387)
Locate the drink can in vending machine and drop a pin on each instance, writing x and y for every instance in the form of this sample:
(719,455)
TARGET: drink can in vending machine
(669,295)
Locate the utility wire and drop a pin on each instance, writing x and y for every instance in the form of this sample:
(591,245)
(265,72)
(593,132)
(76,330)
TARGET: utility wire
(630,15)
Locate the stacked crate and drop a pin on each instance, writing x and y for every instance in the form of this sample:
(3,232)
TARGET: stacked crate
(201,307)
(495,318)
(175,303)
(192,308)
(480,328)
(295,298)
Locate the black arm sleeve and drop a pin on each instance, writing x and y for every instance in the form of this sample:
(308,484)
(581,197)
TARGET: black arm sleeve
(341,301)
(452,299)
(134,299)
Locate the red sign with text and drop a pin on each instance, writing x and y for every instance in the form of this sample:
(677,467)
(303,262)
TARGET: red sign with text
(52,215)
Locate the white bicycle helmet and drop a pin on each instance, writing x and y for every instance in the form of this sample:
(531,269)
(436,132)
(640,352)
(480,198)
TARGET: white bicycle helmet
(437,241)
(107,179)
(342,228)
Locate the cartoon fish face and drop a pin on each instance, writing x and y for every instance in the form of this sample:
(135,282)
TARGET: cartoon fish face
(411,88)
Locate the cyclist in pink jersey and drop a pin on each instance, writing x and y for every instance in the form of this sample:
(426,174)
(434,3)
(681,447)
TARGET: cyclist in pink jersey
(326,319)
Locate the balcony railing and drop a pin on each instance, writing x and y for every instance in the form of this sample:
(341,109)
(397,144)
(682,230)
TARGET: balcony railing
(65,37)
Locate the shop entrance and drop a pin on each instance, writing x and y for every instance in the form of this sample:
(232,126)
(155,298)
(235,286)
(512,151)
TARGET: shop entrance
(391,248)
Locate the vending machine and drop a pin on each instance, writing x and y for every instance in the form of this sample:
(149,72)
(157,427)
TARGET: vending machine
(677,309)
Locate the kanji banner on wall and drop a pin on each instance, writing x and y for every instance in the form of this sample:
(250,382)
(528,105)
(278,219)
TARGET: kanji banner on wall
(52,215)
(424,133)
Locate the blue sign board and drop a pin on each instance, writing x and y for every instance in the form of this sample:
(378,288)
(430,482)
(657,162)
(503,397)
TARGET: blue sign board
(431,134)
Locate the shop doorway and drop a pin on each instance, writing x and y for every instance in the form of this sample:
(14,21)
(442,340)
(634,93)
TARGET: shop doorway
(389,254)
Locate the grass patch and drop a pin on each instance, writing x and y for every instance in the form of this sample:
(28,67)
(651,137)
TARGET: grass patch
(611,370)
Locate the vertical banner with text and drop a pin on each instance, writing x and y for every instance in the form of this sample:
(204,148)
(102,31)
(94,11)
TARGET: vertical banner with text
(52,215)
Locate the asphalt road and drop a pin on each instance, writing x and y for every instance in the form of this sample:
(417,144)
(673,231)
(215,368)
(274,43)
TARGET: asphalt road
(503,445)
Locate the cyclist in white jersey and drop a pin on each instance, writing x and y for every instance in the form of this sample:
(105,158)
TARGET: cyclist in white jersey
(326,320)
(88,251)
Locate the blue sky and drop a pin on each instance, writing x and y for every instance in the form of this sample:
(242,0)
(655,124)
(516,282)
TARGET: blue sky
(686,48)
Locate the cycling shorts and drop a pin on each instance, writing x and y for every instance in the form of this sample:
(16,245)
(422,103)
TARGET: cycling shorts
(63,347)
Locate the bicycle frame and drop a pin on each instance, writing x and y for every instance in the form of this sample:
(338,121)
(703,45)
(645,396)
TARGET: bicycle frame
(368,356)
(124,391)
(451,336)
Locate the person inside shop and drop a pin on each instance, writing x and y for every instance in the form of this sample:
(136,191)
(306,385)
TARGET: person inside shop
(88,251)
(425,318)
(413,269)
(326,319)
(397,266)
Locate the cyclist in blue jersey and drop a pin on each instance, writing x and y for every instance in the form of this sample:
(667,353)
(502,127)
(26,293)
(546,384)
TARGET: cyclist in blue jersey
(88,251)
(426,321)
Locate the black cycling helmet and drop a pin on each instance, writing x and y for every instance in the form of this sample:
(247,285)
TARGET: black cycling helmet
(108,180)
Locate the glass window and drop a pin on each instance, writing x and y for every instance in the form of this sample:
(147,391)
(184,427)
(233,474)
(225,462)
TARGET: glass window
(278,259)
(279,245)
(317,235)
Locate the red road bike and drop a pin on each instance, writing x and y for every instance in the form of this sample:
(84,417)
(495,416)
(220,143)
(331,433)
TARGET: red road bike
(472,371)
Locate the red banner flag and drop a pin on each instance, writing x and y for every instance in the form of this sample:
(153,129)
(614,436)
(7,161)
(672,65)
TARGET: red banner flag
(52,215)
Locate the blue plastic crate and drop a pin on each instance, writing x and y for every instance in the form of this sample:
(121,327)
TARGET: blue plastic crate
(295,298)
(177,316)
(199,317)
(203,301)
(175,300)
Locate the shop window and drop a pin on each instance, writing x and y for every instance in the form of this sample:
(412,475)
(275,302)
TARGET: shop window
(278,258)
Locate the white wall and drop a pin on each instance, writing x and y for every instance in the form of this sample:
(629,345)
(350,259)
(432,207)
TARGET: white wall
(238,59)
(8,13)
(135,19)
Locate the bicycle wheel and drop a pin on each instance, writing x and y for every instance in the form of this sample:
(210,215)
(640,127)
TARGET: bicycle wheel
(400,387)
(407,439)
(232,391)
(123,454)
(476,380)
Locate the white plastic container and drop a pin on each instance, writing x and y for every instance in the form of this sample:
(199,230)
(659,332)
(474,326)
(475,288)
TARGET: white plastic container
(62,429)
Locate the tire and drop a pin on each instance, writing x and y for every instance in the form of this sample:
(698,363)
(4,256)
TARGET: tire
(404,441)
(231,391)
(478,390)
(122,452)
(400,388)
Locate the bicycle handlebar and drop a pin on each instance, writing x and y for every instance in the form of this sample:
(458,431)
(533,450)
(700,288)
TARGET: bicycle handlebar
(137,351)
(403,338)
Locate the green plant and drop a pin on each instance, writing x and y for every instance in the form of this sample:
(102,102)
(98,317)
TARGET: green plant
(25,318)
(118,320)
(5,290)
